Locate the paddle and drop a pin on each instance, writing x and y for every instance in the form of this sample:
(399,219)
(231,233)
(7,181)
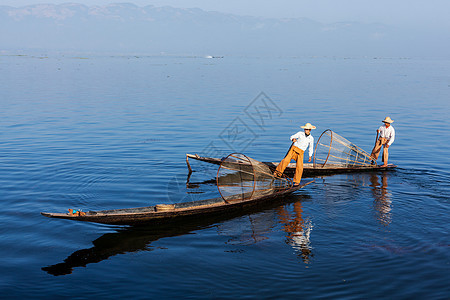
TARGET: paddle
(278,173)
(376,139)
(289,149)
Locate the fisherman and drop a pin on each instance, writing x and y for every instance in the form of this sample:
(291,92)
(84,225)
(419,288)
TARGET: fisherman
(386,138)
(301,140)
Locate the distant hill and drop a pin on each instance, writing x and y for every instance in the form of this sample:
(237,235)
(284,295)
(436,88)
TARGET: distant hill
(150,29)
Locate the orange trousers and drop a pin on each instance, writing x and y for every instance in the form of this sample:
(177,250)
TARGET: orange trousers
(376,150)
(296,154)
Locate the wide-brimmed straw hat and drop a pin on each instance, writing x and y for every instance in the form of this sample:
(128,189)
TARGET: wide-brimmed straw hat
(388,120)
(308,126)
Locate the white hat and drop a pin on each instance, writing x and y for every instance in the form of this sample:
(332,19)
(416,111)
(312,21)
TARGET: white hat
(388,120)
(308,126)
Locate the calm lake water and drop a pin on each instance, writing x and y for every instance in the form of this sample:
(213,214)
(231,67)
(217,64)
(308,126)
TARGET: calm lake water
(105,132)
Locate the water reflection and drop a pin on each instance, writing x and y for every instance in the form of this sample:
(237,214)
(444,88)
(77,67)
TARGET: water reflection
(241,230)
(297,229)
(345,188)
(382,198)
(248,230)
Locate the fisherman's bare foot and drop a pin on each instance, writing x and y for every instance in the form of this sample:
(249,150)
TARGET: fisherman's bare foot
(385,165)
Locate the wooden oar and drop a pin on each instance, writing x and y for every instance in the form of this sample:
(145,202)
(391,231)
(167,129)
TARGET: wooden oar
(289,149)
(373,159)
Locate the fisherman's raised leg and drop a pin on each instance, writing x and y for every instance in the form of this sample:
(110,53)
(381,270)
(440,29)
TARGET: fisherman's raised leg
(377,149)
(284,163)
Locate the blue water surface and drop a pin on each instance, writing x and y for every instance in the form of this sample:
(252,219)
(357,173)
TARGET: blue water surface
(103,132)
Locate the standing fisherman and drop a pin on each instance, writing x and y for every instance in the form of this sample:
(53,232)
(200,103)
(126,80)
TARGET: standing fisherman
(301,140)
(387,137)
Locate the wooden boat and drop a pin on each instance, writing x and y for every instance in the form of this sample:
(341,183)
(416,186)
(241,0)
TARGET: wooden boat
(308,168)
(164,213)
(140,238)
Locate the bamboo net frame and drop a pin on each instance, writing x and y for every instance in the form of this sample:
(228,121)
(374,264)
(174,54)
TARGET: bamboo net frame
(240,177)
(333,149)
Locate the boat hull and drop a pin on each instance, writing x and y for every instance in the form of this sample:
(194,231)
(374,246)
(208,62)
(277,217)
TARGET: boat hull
(151,215)
(308,169)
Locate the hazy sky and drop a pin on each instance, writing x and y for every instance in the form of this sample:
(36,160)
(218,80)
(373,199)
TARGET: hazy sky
(426,13)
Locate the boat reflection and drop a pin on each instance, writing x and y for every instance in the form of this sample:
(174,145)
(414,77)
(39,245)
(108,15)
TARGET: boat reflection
(133,239)
(382,198)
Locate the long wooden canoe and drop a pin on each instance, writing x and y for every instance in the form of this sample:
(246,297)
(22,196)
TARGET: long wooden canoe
(135,239)
(308,168)
(174,212)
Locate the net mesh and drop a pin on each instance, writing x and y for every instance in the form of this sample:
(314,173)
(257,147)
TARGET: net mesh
(334,150)
(240,178)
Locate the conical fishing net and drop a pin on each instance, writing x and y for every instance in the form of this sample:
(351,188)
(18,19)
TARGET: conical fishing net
(240,178)
(332,150)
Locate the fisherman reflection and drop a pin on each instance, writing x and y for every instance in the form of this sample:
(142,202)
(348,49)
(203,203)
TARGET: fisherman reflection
(382,198)
(298,231)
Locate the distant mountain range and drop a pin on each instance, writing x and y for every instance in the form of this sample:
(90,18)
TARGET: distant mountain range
(129,28)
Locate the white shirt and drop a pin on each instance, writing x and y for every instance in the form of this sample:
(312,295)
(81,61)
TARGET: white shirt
(304,141)
(387,133)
